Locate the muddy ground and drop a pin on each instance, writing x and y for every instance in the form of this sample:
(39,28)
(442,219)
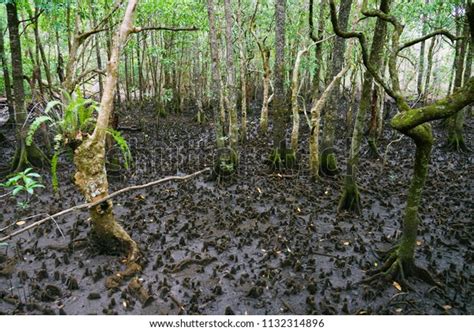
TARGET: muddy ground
(258,243)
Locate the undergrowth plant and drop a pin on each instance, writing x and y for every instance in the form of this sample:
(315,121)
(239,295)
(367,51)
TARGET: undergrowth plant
(23,182)
(71,121)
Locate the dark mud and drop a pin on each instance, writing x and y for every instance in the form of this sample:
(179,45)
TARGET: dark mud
(257,243)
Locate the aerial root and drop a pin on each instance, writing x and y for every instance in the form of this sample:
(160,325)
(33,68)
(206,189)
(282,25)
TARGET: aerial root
(395,269)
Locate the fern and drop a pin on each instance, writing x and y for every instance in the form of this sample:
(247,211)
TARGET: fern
(35,126)
(122,143)
(54,170)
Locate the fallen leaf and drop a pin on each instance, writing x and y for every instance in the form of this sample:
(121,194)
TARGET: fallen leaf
(20,222)
(397,286)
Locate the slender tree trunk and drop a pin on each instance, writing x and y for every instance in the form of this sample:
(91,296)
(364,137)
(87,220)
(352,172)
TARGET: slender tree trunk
(6,75)
(295,111)
(456,122)
(216,84)
(60,66)
(243,73)
(328,157)
(279,154)
(426,89)
(315,120)
(350,199)
(231,90)
(421,58)
(319,46)
(266,89)
(24,155)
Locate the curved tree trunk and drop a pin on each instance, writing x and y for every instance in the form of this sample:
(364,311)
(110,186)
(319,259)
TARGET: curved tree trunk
(89,159)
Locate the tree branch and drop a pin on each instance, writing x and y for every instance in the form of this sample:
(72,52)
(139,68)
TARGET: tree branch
(161,28)
(110,196)
(440,109)
(363,43)
(429,35)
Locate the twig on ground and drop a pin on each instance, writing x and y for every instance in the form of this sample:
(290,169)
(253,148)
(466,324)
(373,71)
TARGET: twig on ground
(95,203)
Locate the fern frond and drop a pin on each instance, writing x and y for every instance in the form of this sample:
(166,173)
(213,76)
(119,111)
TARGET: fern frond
(122,143)
(54,168)
(34,127)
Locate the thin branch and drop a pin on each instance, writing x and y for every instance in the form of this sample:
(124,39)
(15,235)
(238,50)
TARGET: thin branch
(110,196)
(363,43)
(161,28)
(428,36)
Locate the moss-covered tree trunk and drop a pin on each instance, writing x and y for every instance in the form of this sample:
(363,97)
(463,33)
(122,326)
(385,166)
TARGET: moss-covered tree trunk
(89,159)
(412,122)
(328,155)
(350,199)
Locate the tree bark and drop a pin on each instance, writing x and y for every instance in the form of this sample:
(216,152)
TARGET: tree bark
(350,199)
(216,85)
(315,120)
(328,156)
(279,154)
(89,159)
(6,75)
(24,155)
(243,73)
(231,90)
(456,122)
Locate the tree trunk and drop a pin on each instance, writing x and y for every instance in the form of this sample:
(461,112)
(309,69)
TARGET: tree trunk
(6,75)
(265,53)
(279,154)
(421,58)
(426,89)
(295,111)
(89,159)
(456,122)
(24,155)
(350,199)
(243,74)
(328,156)
(216,84)
(319,46)
(315,119)
(231,90)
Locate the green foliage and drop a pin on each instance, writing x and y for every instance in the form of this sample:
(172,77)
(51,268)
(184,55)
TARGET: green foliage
(122,143)
(70,121)
(25,182)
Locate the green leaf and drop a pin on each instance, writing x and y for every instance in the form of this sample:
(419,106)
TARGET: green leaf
(17,190)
